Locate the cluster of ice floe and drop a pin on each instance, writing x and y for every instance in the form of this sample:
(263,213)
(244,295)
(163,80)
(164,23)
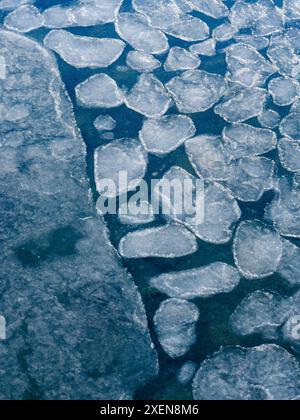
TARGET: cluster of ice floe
(255,99)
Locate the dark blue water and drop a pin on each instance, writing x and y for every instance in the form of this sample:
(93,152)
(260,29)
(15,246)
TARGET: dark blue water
(213,328)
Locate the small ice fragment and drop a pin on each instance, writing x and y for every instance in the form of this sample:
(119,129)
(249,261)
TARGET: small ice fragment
(164,135)
(196,283)
(104,123)
(142,62)
(99,91)
(181,59)
(186,373)
(24,19)
(206,48)
(269,119)
(257,249)
(170,241)
(175,323)
(83,51)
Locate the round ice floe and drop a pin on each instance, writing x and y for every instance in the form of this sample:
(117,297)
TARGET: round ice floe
(124,155)
(269,119)
(164,135)
(267,372)
(291,332)
(148,97)
(142,62)
(257,249)
(134,28)
(141,214)
(289,267)
(208,157)
(24,19)
(284,210)
(201,282)
(170,241)
(99,91)
(289,154)
(261,313)
(242,105)
(215,211)
(196,90)
(284,90)
(251,177)
(246,66)
(174,323)
(181,59)
(242,140)
(206,48)
(82,51)
(104,123)
(186,373)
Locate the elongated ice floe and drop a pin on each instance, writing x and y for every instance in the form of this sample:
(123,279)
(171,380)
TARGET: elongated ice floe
(250,177)
(134,28)
(170,241)
(175,323)
(104,123)
(196,283)
(164,135)
(196,90)
(125,155)
(82,13)
(246,66)
(24,19)
(148,97)
(221,210)
(208,157)
(181,59)
(242,140)
(242,105)
(267,372)
(257,249)
(142,62)
(99,91)
(80,51)
(206,48)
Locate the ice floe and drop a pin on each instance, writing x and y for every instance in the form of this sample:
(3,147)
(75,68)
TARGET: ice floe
(81,51)
(257,42)
(224,32)
(267,372)
(170,241)
(284,56)
(104,123)
(134,28)
(2,328)
(142,62)
(148,97)
(24,19)
(186,373)
(289,154)
(13,4)
(125,155)
(242,105)
(99,91)
(290,332)
(206,48)
(269,119)
(196,90)
(242,140)
(208,157)
(196,283)
(181,59)
(250,177)
(257,249)
(290,125)
(246,66)
(164,135)
(213,8)
(285,91)
(291,9)
(289,267)
(141,214)
(175,323)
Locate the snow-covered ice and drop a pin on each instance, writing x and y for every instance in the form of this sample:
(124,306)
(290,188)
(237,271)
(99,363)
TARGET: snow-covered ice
(175,323)
(267,372)
(148,97)
(163,135)
(181,59)
(122,155)
(169,241)
(285,91)
(242,140)
(196,283)
(257,249)
(206,48)
(24,19)
(289,154)
(82,51)
(99,91)
(269,119)
(142,61)
(104,123)
(196,90)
